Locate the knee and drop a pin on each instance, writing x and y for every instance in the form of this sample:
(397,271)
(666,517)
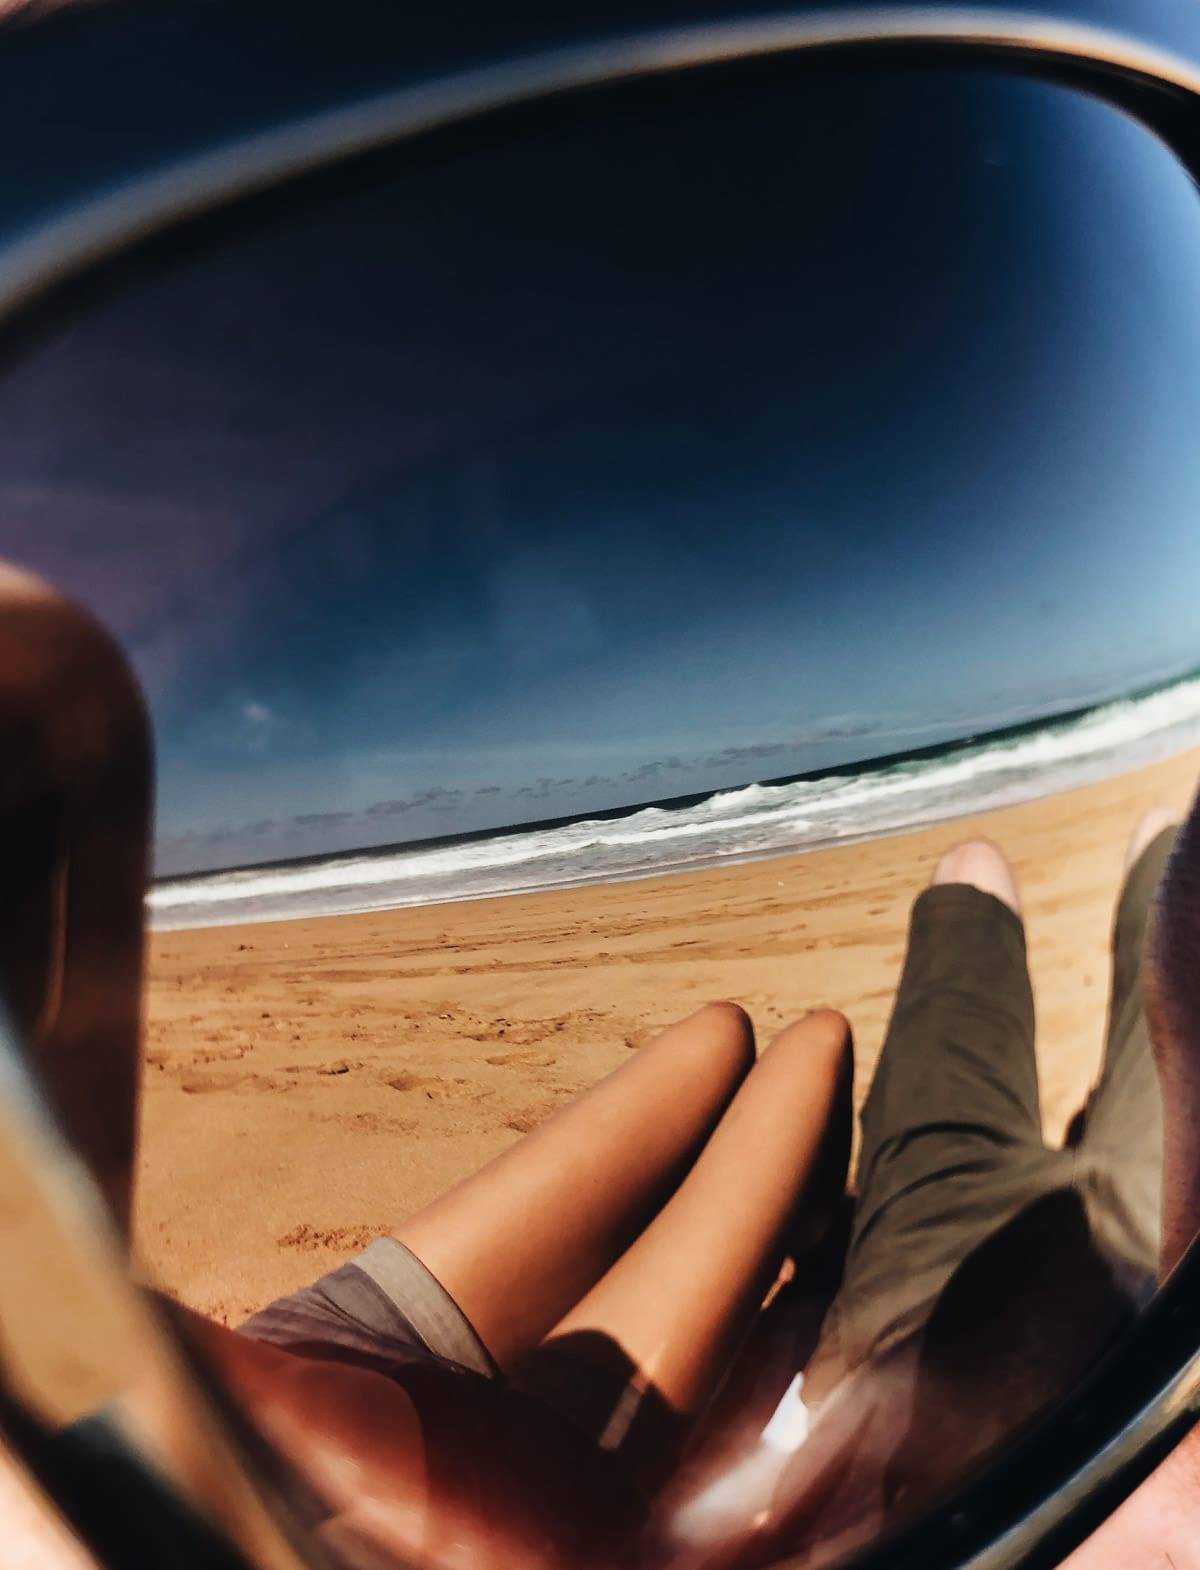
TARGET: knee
(982,865)
(823,1033)
(1152,823)
(729,1033)
(830,1027)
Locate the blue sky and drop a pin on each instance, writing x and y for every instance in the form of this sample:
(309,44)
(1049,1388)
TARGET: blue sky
(686,435)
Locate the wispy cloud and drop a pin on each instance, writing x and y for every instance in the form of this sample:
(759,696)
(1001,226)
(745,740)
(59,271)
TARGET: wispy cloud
(437,796)
(651,770)
(323,820)
(757,752)
(542,788)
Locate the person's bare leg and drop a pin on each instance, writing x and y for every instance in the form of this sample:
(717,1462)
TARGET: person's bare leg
(1120,1131)
(984,866)
(74,824)
(1160,1522)
(520,1242)
(676,1305)
(1172,991)
(1148,827)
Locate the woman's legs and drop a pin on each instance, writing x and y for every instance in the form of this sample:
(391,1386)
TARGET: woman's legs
(520,1242)
(671,1312)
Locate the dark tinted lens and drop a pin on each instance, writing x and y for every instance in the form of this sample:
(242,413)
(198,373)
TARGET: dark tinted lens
(638,447)
(677,474)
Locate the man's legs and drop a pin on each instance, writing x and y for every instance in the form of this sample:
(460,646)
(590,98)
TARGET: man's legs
(952,1142)
(1028,1310)
(1120,1150)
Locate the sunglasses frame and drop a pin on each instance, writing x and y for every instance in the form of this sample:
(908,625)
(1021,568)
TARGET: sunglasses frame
(1051,1488)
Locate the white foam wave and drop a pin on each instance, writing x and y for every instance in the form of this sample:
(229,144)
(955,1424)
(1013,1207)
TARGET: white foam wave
(750,821)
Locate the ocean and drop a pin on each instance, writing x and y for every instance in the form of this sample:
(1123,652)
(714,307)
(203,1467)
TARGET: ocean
(885,796)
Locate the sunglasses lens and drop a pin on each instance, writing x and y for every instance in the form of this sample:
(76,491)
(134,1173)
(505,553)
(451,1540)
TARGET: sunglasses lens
(685,472)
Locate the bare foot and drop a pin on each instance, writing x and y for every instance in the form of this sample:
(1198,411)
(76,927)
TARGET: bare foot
(1148,827)
(984,866)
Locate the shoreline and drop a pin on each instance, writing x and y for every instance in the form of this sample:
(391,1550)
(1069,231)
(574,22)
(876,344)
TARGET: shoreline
(896,793)
(714,863)
(870,762)
(310,1082)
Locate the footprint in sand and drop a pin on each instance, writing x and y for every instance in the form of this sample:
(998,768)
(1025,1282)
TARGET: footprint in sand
(231,1053)
(208,1084)
(528,1118)
(308,1238)
(435,1089)
(523,1059)
(373,1123)
(340,1066)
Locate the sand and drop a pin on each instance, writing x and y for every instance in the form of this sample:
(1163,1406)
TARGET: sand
(308,1084)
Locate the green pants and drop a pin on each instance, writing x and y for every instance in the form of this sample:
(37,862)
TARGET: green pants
(955,1185)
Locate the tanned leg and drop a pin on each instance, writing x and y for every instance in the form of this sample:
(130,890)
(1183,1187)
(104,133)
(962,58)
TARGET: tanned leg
(520,1242)
(674,1309)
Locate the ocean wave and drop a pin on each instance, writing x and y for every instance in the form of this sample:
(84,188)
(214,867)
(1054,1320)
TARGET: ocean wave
(730,825)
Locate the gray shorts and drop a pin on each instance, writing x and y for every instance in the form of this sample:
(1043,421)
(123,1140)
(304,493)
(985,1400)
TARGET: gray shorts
(493,1455)
(383,1310)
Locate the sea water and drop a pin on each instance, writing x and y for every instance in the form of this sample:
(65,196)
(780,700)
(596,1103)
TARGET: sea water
(885,796)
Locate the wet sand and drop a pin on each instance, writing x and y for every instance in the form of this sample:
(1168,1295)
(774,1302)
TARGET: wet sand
(310,1083)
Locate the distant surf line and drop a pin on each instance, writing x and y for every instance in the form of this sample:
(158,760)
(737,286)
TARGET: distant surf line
(835,805)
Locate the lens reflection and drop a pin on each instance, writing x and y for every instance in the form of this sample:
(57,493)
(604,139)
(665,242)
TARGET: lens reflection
(662,481)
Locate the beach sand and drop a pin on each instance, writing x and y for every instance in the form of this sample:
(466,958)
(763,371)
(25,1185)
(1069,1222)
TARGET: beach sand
(308,1084)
